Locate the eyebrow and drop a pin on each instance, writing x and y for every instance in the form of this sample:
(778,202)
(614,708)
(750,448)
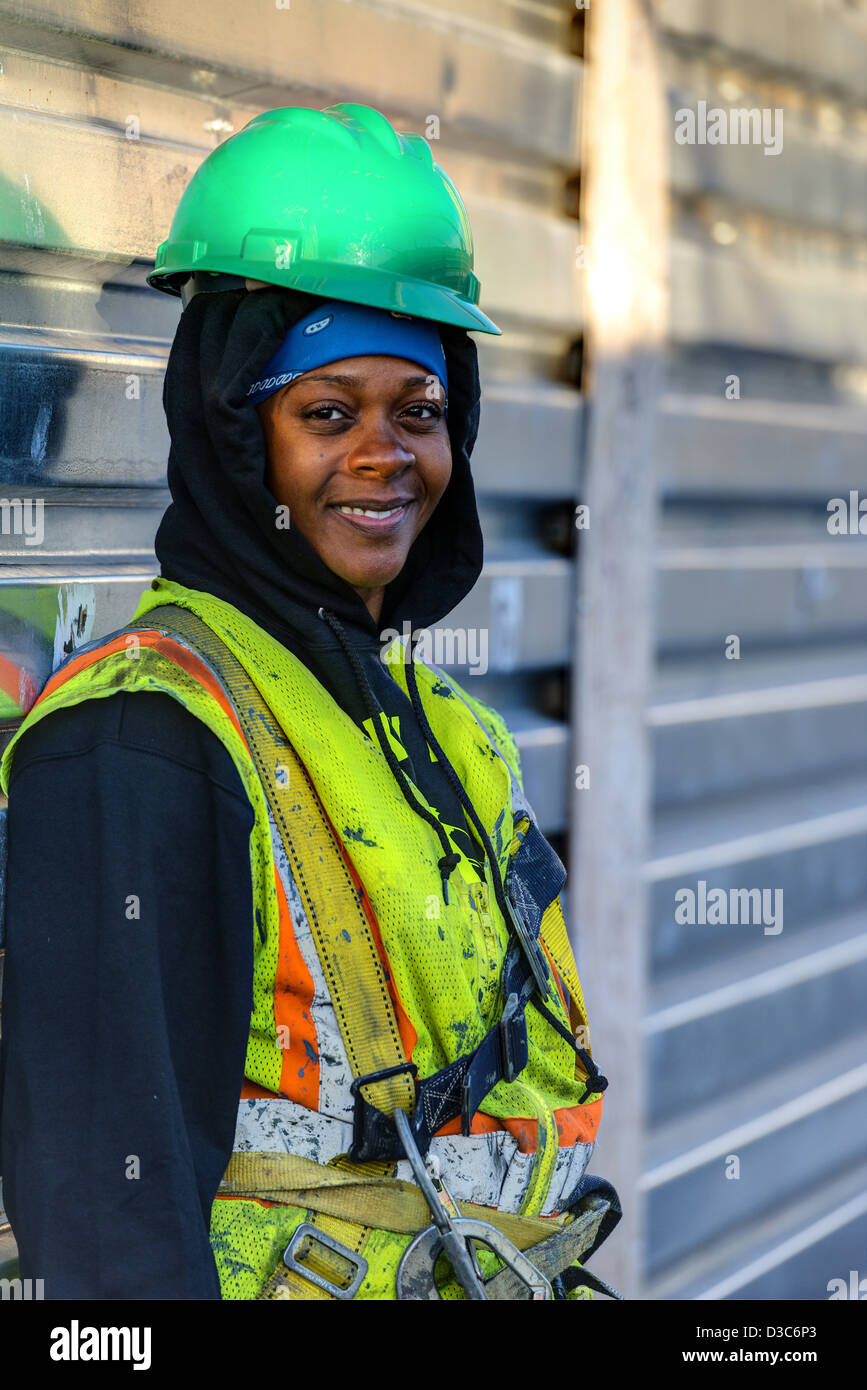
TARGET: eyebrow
(350,380)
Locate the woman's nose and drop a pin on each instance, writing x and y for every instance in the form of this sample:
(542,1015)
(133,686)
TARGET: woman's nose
(378,446)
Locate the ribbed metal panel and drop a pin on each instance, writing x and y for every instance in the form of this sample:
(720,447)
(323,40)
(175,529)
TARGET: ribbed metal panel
(755,1045)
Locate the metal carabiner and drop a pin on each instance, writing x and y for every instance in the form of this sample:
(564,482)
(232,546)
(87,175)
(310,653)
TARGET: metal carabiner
(452,1236)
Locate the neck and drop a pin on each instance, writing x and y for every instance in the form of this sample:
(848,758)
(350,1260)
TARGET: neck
(372,600)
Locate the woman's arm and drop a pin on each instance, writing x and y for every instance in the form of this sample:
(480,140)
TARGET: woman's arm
(126,998)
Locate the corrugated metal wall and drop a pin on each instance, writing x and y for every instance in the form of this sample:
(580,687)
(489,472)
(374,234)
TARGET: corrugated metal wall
(756,1048)
(105,112)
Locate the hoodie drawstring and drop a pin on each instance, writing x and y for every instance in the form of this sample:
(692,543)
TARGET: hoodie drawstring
(450,859)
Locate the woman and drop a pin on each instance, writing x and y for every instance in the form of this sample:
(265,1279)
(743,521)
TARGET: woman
(300,888)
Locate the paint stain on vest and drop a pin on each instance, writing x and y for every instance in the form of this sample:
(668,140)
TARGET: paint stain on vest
(461,1029)
(358,835)
(498,834)
(222,1246)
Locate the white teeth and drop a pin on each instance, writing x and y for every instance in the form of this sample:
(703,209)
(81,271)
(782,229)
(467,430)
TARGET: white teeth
(360,511)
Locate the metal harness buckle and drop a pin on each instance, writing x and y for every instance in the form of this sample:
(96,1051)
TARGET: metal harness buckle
(358,1262)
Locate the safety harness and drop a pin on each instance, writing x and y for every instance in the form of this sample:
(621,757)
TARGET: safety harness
(362,1182)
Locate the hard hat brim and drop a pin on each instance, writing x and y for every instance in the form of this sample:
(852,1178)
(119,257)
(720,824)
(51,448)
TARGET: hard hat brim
(380,289)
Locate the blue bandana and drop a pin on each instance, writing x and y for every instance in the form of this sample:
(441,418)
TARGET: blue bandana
(338,329)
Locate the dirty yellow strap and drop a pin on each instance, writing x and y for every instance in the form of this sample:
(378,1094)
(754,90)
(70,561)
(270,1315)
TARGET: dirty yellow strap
(387,1203)
(344,942)
(356,985)
(553,933)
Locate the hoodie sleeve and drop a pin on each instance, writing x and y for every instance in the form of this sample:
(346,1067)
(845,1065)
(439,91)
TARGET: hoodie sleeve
(126,997)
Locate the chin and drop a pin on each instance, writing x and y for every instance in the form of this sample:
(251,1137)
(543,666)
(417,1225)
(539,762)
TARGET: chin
(367,578)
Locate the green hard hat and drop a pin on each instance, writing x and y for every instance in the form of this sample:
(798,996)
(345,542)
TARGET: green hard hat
(333,202)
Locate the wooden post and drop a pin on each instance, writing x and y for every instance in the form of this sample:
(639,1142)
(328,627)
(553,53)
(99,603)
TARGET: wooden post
(624,228)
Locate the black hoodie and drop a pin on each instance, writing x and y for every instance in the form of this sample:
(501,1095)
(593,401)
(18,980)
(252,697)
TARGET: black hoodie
(125,1029)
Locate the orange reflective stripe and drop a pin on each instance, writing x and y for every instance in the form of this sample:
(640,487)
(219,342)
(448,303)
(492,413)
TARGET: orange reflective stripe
(480,1124)
(576,1124)
(579,1124)
(233,1197)
(293,996)
(166,646)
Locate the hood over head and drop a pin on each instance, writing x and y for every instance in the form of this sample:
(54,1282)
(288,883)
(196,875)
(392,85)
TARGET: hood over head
(219,535)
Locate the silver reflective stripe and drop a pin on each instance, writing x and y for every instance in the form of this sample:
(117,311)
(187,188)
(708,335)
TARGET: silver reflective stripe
(484,1168)
(489,1169)
(284,1126)
(569,1169)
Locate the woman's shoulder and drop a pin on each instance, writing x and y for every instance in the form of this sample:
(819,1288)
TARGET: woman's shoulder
(133,723)
(118,690)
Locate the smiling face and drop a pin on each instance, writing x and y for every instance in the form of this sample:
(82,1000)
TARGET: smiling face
(359,436)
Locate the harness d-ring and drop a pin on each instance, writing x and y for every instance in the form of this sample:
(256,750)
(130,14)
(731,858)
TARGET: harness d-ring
(452,1236)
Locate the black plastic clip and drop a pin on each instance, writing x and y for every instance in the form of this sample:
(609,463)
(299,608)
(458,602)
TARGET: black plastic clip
(359,1127)
(509,1060)
(466,1112)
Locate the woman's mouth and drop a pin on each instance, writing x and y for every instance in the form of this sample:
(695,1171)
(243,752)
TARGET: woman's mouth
(374,521)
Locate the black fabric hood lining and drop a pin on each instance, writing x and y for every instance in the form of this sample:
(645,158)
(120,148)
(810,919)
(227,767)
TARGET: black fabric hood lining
(218,534)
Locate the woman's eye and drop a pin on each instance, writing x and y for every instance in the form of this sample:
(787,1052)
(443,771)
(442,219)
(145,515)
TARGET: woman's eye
(323,412)
(426,405)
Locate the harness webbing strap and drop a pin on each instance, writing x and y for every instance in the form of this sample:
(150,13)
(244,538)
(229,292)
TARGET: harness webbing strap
(390,1204)
(394,1205)
(336,1220)
(553,933)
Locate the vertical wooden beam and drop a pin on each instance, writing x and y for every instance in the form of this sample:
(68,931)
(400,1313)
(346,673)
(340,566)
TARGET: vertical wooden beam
(624,227)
